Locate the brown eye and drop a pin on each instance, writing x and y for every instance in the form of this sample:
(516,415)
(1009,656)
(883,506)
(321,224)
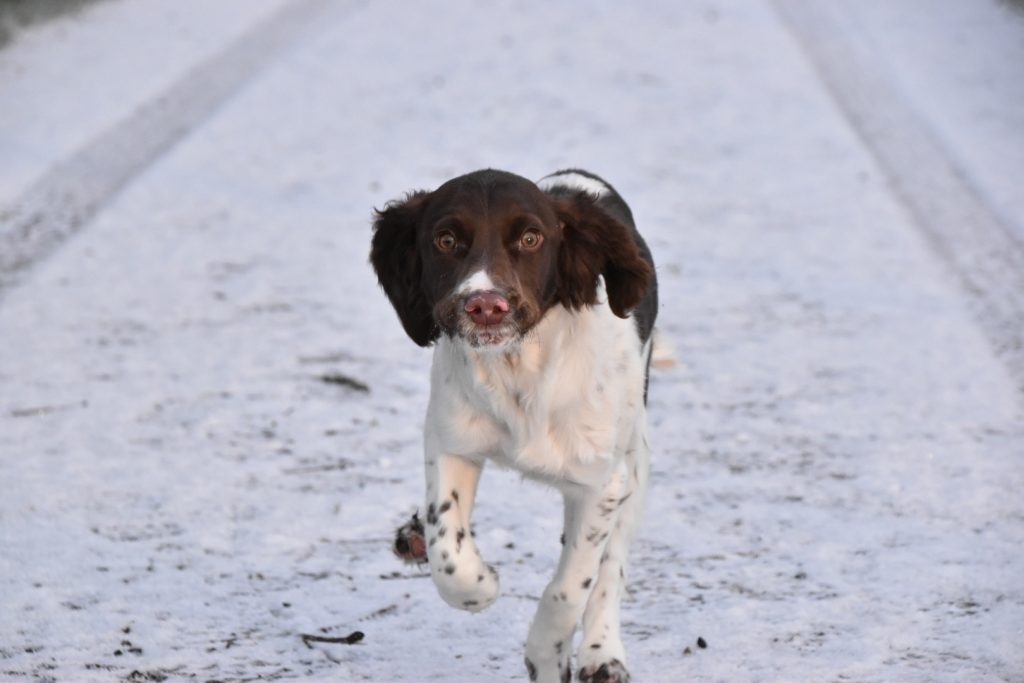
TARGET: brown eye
(446,241)
(530,240)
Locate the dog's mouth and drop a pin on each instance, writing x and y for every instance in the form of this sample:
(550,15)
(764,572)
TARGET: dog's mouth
(503,325)
(483,336)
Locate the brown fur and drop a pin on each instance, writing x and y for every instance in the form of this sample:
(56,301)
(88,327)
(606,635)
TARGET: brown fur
(488,211)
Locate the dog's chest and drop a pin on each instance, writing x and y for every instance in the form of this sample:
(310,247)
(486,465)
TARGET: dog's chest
(551,409)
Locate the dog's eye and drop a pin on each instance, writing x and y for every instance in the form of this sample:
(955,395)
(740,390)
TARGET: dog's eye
(530,240)
(446,241)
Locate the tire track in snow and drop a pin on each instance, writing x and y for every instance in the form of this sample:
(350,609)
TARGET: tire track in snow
(940,196)
(71,193)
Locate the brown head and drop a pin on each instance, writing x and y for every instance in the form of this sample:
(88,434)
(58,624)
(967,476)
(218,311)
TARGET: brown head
(483,257)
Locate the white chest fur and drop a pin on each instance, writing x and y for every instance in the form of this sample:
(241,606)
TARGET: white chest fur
(559,406)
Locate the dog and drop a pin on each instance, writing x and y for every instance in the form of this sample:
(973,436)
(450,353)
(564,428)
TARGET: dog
(540,300)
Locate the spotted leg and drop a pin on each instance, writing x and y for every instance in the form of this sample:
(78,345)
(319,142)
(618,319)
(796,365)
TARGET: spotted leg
(602,656)
(461,576)
(590,518)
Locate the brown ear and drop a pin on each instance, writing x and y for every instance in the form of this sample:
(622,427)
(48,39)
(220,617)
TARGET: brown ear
(395,257)
(595,243)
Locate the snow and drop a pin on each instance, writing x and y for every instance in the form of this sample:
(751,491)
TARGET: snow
(975,100)
(68,81)
(837,459)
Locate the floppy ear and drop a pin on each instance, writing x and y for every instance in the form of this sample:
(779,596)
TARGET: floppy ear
(595,243)
(395,258)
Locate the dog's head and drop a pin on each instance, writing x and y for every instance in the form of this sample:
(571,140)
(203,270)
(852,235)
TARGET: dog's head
(483,257)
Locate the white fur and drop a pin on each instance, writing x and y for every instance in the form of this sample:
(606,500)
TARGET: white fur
(480,281)
(565,406)
(575,180)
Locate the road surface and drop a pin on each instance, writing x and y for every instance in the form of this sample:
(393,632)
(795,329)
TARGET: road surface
(210,418)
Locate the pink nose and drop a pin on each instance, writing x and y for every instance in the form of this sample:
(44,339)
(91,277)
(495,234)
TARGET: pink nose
(487,308)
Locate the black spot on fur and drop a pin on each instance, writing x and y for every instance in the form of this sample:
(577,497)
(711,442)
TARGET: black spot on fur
(561,539)
(531,670)
(479,578)
(595,646)
(459,535)
(455,495)
(558,647)
(449,569)
(603,674)
(445,507)
(431,514)
(596,536)
(442,531)
(586,584)
(470,603)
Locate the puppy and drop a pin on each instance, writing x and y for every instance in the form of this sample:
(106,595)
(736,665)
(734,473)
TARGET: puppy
(540,301)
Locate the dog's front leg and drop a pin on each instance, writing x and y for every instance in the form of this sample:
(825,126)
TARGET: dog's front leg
(460,574)
(602,657)
(590,517)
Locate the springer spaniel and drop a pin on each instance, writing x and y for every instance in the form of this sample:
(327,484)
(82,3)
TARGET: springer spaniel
(541,301)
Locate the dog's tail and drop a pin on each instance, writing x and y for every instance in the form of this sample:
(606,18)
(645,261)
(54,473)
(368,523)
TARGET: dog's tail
(663,356)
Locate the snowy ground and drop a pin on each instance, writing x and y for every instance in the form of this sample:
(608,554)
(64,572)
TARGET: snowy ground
(189,483)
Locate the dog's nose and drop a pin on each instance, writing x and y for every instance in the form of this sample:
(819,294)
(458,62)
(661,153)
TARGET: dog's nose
(487,308)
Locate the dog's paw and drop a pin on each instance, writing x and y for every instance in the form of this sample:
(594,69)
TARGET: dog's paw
(612,671)
(472,586)
(409,544)
(560,671)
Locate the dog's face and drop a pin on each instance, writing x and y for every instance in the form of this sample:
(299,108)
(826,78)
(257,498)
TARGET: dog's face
(483,257)
(489,252)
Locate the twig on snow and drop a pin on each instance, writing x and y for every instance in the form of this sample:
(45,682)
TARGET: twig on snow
(350,639)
